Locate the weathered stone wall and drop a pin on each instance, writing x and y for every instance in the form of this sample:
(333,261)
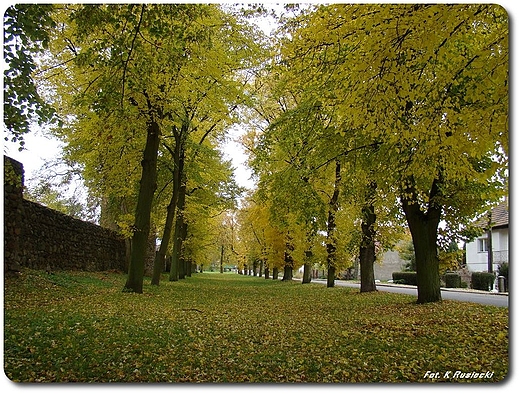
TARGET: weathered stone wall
(42,238)
(62,242)
(13,212)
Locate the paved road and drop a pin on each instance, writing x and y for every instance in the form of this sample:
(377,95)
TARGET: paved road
(451,294)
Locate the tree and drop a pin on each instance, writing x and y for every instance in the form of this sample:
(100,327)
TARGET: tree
(453,109)
(253,225)
(303,141)
(171,69)
(367,249)
(25,37)
(208,109)
(428,85)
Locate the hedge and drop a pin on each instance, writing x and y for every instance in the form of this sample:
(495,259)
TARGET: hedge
(405,277)
(452,280)
(482,280)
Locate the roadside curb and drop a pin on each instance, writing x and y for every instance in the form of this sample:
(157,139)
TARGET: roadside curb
(449,289)
(506,294)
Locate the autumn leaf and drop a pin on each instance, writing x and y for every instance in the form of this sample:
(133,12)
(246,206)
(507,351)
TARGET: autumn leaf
(79,327)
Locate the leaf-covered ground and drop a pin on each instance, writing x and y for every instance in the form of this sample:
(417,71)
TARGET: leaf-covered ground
(213,327)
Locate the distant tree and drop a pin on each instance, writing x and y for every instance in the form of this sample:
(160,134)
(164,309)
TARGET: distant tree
(406,253)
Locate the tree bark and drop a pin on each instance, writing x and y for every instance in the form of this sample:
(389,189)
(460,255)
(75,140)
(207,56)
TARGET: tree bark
(179,233)
(261,268)
(307,262)
(331,276)
(174,271)
(289,262)
(222,259)
(182,267)
(148,184)
(287,273)
(306,273)
(331,228)
(178,162)
(423,228)
(367,250)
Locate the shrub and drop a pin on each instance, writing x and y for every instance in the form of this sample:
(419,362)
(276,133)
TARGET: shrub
(452,280)
(503,270)
(408,278)
(482,280)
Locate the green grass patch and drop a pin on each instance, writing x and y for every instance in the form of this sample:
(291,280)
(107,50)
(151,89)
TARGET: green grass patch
(81,327)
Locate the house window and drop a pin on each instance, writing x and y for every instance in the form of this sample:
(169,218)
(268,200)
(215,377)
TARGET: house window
(482,245)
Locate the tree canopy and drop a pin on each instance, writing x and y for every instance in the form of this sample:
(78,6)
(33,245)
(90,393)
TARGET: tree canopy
(408,100)
(360,121)
(26,35)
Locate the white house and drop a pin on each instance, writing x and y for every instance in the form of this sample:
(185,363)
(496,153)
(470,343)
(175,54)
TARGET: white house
(477,250)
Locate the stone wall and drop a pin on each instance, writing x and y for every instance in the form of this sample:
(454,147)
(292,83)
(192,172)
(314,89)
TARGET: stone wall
(13,213)
(42,238)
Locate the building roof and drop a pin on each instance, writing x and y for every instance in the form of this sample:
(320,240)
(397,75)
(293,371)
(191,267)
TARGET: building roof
(499,216)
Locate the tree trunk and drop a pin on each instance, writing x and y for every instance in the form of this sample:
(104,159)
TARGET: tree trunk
(266,272)
(307,262)
(178,162)
(184,255)
(188,267)
(331,228)
(222,259)
(423,228)
(177,256)
(367,250)
(289,262)
(160,256)
(275,273)
(148,184)
(331,276)
(287,273)
(179,230)
(490,244)
(182,268)
(174,270)
(306,273)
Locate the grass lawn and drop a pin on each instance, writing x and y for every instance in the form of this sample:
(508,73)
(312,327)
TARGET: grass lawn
(81,327)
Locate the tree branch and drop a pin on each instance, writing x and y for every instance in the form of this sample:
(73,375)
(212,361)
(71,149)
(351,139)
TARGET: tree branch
(125,63)
(373,145)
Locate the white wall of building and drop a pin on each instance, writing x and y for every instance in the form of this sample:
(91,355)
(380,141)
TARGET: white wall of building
(477,255)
